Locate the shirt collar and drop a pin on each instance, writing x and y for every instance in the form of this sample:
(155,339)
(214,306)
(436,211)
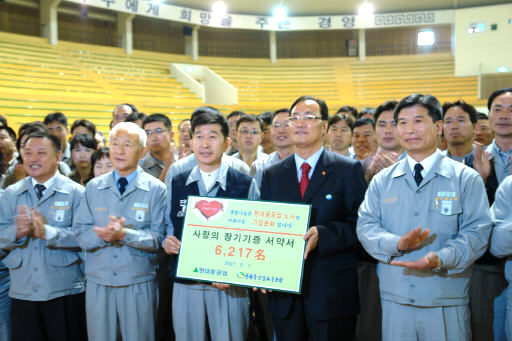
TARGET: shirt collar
(427,163)
(67,152)
(149,161)
(129,178)
(498,150)
(195,175)
(312,160)
(457,158)
(48,182)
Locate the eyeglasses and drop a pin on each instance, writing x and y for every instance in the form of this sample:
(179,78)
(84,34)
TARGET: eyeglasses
(156,131)
(307,118)
(251,132)
(279,125)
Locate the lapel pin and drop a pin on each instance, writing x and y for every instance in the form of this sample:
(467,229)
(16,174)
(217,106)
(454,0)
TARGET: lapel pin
(328,197)
(323,172)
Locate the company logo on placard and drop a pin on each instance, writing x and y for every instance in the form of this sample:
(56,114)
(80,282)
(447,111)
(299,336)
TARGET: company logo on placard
(209,210)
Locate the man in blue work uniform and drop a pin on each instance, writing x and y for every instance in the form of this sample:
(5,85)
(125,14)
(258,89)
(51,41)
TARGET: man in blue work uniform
(121,222)
(501,242)
(43,255)
(197,308)
(426,219)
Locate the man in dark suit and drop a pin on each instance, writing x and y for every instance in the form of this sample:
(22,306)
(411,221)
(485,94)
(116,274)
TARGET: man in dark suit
(334,185)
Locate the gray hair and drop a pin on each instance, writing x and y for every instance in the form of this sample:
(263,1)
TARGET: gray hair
(130,128)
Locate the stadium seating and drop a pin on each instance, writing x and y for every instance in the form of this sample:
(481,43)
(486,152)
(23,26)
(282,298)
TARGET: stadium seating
(86,81)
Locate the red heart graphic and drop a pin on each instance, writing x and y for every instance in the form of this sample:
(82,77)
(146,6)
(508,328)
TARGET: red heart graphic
(209,208)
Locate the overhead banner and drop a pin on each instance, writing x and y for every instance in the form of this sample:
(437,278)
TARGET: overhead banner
(267,23)
(244,242)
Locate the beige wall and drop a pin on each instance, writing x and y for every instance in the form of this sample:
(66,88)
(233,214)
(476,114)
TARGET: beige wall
(490,48)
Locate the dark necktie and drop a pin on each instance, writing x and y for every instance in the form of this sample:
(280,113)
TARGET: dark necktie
(121,184)
(39,190)
(304,180)
(417,173)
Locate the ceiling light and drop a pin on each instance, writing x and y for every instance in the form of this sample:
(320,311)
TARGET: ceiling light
(426,38)
(366,10)
(219,8)
(280,13)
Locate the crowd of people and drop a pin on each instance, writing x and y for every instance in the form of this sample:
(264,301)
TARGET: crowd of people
(408,239)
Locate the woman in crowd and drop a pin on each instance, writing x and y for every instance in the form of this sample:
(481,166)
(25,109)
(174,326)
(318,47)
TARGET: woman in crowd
(82,147)
(100,162)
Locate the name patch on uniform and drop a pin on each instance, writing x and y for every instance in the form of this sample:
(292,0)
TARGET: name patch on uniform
(444,202)
(446,194)
(100,209)
(61,205)
(390,200)
(140,206)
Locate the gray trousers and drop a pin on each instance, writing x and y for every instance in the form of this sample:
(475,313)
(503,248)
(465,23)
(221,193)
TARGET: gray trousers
(411,323)
(133,306)
(196,307)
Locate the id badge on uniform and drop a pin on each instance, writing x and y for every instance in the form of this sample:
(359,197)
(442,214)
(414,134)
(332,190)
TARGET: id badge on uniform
(446,207)
(59,215)
(139,215)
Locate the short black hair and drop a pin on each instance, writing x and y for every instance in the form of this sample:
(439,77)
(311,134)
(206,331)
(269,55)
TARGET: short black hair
(496,94)
(341,117)
(85,140)
(388,105)
(249,118)
(10,132)
(3,165)
(131,106)
(266,117)
(324,111)
(45,135)
(98,155)
(481,116)
(280,111)
(158,118)
(365,111)
(235,113)
(209,115)
(3,121)
(56,117)
(429,102)
(135,116)
(467,108)
(27,129)
(84,123)
(348,108)
(363,121)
